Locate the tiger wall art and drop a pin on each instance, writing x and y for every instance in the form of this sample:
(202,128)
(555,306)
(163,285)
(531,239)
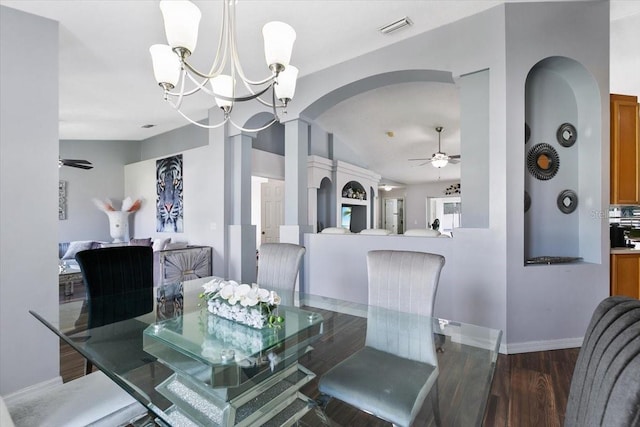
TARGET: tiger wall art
(169,210)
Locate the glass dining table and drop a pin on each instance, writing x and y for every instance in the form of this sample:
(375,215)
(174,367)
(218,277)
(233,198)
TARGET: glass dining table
(190,367)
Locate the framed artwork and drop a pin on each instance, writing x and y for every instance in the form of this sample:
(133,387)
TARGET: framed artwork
(62,200)
(169,209)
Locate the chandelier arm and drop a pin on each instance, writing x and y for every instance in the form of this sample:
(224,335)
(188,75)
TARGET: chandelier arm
(267,104)
(252,130)
(273,103)
(235,58)
(180,95)
(199,86)
(226,119)
(217,66)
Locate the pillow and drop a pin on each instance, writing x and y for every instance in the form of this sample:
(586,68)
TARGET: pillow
(175,245)
(77,246)
(140,242)
(376,231)
(335,230)
(160,242)
(424,232)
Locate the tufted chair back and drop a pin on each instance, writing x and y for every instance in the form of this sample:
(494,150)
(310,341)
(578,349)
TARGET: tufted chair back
(605,388)
(278,265)
(403,280)
(119,282)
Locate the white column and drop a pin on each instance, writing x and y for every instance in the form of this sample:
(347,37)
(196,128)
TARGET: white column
(220,176)
(242,234)
(296,150)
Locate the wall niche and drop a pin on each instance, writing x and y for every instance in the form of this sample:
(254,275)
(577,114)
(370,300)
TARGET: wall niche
(562,162)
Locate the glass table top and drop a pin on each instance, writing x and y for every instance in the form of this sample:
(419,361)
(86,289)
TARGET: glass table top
(186,345)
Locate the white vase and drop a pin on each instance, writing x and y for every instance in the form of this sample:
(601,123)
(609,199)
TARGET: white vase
(118,225)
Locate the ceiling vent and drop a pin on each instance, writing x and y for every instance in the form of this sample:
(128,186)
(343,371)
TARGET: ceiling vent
(396,25)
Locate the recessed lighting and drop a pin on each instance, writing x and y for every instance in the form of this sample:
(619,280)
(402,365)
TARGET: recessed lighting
(147,126)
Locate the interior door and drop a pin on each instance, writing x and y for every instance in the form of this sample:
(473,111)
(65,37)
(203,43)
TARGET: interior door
(272,206)
(392,220)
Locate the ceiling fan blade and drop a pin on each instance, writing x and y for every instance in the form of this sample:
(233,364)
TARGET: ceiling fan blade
(84,162)
(79,166)
(419,159)
(457,156)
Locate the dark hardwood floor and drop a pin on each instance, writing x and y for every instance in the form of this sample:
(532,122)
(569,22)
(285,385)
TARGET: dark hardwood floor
(528,389)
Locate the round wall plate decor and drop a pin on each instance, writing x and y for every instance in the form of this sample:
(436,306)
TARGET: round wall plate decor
(567,201)
(543,161)
(567,135)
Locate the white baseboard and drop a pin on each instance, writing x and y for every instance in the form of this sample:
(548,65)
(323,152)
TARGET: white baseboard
(9,399)
(529,346)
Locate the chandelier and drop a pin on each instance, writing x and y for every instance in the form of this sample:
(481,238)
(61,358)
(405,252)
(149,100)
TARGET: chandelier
(172,69)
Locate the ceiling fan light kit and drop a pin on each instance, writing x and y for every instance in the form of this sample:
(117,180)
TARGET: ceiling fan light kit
(440,159)
(172,70)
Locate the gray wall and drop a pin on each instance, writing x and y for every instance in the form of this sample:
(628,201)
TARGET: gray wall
(175,141)
(474,138)
(554,303)
(105,181)
(29,352)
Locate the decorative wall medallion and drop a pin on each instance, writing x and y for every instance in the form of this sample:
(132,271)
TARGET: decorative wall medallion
(567,135)
(567,201)
(543,161)
(452,189)
(527,201)
(527,133)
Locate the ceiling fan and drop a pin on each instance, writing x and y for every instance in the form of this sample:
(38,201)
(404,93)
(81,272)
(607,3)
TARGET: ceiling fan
(81,164)
(439,159)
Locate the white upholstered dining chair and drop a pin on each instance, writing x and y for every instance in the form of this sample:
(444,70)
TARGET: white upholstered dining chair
(397,369)
(278,266)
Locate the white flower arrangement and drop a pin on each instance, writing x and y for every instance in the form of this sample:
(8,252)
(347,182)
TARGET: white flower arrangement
(249,305)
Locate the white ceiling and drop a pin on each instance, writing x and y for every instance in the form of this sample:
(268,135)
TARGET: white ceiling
(107,89)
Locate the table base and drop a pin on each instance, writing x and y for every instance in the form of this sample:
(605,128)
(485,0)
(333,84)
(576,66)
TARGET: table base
(273,401)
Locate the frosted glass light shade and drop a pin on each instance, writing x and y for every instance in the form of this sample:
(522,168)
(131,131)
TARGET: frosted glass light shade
(166,65)
(181,21)
(286,87)
(278,42)
(439,162)
(223,85)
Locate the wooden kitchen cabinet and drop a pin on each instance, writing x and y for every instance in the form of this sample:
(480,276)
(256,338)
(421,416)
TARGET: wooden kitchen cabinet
(625,150)
(625,275)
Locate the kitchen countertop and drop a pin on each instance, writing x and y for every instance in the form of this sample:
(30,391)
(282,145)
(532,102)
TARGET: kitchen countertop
(619,251)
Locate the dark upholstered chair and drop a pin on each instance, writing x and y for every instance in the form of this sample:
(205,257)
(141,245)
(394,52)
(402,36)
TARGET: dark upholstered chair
(278,266)
(119,284)
(605,388)
(397,369)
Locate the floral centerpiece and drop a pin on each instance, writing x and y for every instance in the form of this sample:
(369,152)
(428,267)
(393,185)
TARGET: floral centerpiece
(246,304)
